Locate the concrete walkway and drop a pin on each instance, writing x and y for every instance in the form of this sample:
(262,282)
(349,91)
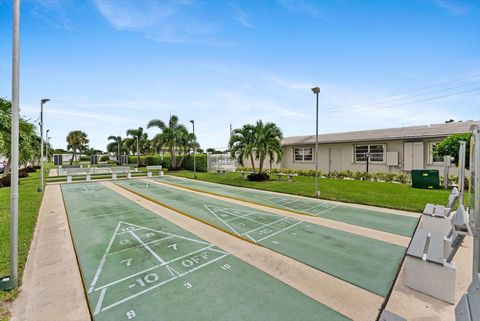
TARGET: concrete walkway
(52,288)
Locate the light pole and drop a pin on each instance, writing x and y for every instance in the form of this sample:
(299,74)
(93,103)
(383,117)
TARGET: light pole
(194,150)
(47,139)
(42,102)
(138,154)
(316,91)
(12,281)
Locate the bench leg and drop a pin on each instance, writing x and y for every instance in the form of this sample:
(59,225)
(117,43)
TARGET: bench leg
(129,175)
(149,174)
(161,173)
(114,175)
(69,179)
(89,178)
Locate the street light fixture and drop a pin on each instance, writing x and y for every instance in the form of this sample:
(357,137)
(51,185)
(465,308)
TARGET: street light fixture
(316,91)
(194,150)
(42,102)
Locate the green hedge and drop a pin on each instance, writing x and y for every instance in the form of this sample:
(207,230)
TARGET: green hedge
(166,162)
(200,162)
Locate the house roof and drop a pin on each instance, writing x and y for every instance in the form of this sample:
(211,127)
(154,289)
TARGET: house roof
(413,132)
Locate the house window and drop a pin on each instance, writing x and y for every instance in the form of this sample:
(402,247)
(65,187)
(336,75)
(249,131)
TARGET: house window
(303,154)
(434,158)
(377,153)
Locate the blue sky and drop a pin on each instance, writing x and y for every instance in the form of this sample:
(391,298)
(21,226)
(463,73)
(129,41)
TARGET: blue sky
(110,65)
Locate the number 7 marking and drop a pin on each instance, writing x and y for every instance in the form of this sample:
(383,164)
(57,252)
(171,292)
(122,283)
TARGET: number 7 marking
(127,262)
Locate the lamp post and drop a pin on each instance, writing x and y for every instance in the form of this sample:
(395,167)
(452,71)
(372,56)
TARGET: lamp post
(194,150)
(138,153)
(316,91)
(12,281)
(42,102)
(47,139)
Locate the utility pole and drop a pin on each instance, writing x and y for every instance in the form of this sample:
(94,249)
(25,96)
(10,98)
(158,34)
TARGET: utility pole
(194,150)
(42,102)
(15,146)
(316,91)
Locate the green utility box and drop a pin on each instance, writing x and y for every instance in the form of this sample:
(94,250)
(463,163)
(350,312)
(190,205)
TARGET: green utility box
(425,178)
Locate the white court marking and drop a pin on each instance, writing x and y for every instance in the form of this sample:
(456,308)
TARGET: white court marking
(263,225)
(131,228)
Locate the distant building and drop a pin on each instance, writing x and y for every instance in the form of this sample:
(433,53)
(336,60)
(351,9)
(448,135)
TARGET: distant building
(391,150)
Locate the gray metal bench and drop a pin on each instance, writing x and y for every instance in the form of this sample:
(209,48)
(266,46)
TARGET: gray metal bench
(442,211)
(151,169)
(289,176)
(435,218)
(468,308)
(429,266)
(245,173)
(121,170)
(77,171)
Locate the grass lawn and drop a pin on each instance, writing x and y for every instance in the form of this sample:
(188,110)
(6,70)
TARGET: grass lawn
(389,195)
(29,205)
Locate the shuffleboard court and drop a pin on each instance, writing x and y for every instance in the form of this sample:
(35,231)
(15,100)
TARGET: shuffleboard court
(139,266)
(362,261)
(377,220)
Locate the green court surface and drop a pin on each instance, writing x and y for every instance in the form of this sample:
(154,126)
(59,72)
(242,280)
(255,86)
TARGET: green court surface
(377,220)
(138,266)
(368,263)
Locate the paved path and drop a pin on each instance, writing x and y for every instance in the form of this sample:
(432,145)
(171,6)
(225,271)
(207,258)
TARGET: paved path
(52,288)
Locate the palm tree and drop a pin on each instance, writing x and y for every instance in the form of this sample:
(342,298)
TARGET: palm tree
(268,142)
(77,141)
(28,147)
(187,142)
(171,136)
(140,139)
(242,144)
(117,146)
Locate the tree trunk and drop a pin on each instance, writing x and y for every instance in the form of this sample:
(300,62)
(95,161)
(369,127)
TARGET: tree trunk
(253,162)
(73,157)
(260,165)
(6,170)
(174,159)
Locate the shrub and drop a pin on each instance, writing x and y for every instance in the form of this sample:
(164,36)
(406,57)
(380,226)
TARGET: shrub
(104,158)
(258,177)
(200,160)
(30,169)
(6,180)
(22,173)
(84,158)
(37,167)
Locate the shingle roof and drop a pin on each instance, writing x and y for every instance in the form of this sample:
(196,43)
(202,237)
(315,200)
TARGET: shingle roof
(427,131)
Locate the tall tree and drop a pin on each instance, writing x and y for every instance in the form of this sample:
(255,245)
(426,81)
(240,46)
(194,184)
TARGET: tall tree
(171,136)
(77,141)
(268,142)
(116,146)
(242,144)
(28,147)
(140,140)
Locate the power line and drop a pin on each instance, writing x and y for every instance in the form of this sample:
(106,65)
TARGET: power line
(378,99)
(381,102)
(409,103)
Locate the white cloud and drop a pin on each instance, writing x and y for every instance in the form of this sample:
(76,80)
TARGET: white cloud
(453,7)
(240,15)
(301,6)
(170,21)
